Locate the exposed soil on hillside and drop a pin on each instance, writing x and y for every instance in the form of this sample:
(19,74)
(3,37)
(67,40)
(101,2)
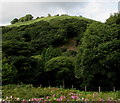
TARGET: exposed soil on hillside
(70,45)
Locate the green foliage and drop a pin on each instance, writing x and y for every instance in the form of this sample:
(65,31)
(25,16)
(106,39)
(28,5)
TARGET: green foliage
(26,67)
(49,15)
(60,69)
(99,55)
(114,19)
(50,52)
(21,19)
(14,21)
(39,69)
(74,27)
(50,45)
(25,18)
(9,72)
(16,48)
(28,17)
(64,15)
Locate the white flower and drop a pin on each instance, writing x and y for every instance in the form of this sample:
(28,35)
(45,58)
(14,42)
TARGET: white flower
(0,100)
(7,97)
(18,98)
(11,97)
(82,98)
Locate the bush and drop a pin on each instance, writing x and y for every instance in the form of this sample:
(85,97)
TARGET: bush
(14,21)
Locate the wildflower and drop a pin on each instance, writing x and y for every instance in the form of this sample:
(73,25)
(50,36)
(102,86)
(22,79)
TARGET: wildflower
(86,99)
(41,98)
(63,97)
(59,99)
(82,98)
(35,99)
(101,99)
(7,97)
(11,97)
(44,101)
(74,97)
(54,95)
(23,100)
(17,99)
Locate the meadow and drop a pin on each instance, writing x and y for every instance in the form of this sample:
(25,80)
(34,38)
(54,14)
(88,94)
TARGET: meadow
(52,94)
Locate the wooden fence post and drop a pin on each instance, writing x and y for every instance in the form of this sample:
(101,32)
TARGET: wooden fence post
(85,88)
(114,89)
(99,89)
(72,87)
(60,86)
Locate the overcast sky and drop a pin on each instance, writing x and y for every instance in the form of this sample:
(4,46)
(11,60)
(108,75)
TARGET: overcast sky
(94,9)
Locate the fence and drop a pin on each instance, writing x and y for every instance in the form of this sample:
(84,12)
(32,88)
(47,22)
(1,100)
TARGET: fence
(86,88)
(99,88)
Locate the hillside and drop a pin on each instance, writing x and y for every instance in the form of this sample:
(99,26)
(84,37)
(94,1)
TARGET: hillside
(62,50)
(57,26)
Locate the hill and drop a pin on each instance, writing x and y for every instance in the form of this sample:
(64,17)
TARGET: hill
(62,50)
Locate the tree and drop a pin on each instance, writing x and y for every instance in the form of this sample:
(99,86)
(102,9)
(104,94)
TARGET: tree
(39,77)
(28,17)
(51,52)
(14,21)
(60,70)
(26,67)
(114,19)
(49,15)
(99,55)
(9,73)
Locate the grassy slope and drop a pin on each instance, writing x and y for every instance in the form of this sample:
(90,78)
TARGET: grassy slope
(46,19)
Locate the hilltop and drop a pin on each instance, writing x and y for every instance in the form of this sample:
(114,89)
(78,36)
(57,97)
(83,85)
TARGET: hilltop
(48,19)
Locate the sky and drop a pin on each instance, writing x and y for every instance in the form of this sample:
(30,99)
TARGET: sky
(98,10)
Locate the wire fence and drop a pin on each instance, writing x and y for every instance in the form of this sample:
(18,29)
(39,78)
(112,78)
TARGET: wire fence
(89,88)
(99,88)
(86,88)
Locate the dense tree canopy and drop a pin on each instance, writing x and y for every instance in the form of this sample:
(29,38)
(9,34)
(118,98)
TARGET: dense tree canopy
(99,55)
(62,50)
(60,69)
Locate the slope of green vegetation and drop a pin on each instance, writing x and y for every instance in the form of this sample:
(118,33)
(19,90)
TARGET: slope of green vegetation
(48,19)
(62,50)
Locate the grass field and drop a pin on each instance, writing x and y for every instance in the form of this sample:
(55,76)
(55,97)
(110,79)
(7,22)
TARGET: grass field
(30,93)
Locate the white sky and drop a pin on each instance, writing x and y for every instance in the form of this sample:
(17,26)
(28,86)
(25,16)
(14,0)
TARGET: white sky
(94,9)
